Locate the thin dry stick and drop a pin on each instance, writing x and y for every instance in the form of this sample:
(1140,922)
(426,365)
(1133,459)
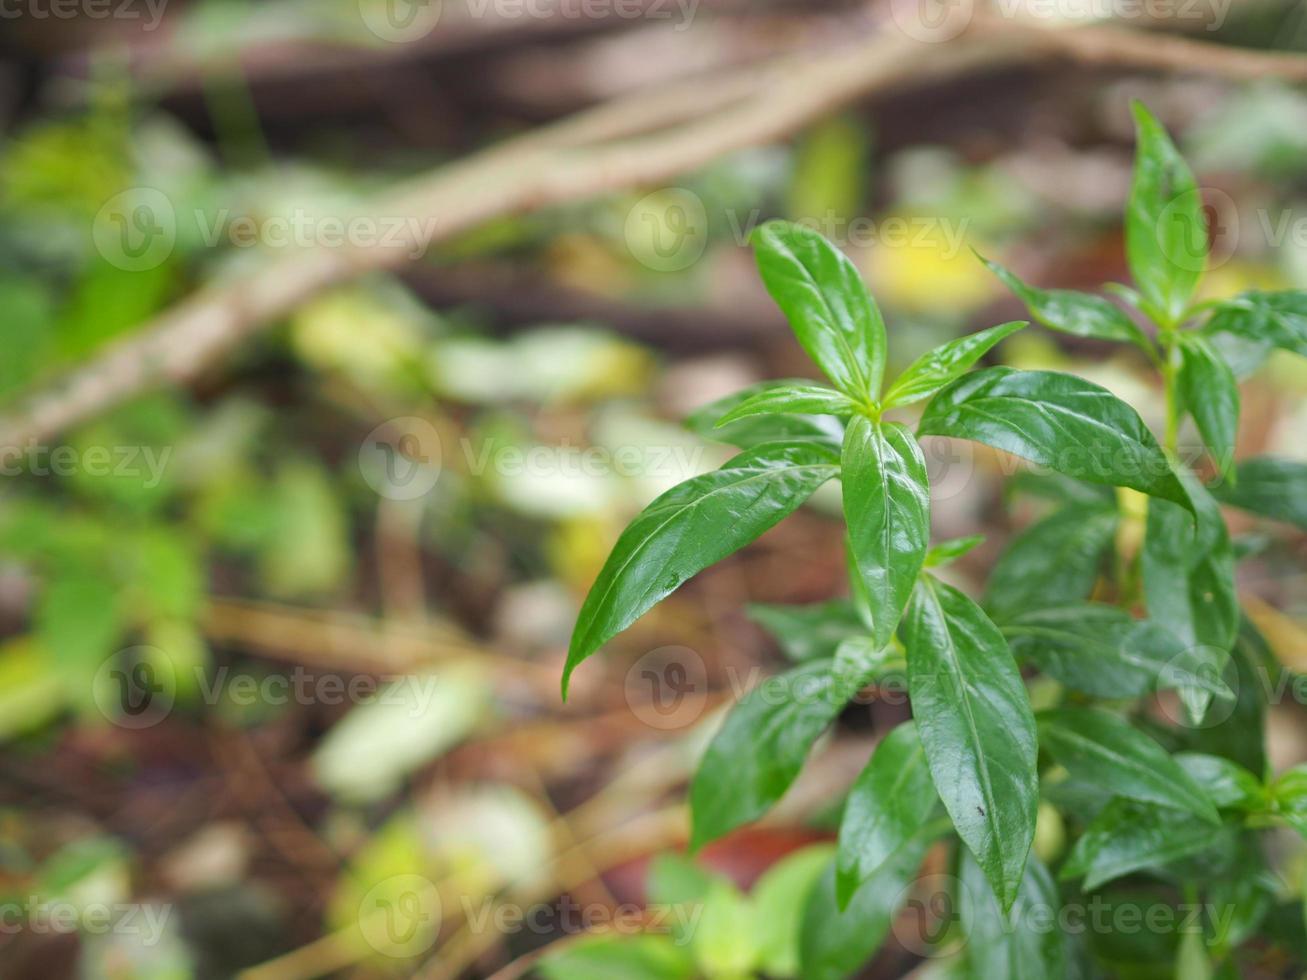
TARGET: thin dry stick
(687,125)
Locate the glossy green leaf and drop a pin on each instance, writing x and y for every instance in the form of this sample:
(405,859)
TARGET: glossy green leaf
(947,552)
(889,802)
(1103,651)
(1053,562)
(1269,486)
(1105,749)
(834,943)
(1128,836)
(756,430)
(1189,574)
(1059,421)
(975,724)
(1227,784)
(1026,944)
(1211,394)
(791,398)
(690,527)
(811,631)
(822,294)
(887,508)
(1165,234)
(1072,312)
(1277,319)
(948,362)
(761,746)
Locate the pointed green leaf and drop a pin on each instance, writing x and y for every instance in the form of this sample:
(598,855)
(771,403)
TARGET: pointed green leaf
(1189,576)
(1165,233)
(791,398)
(1128,835)
(827,304)
(609,957)
(1103,651)
(755,430)
(1072,312)
(1239,732)
(1025,945)
(1278,319)
(886,808)
(948,362)
(947,552)
(1104,749)
(1053,562)
(976,726)
(760,748)
(1211,394)
(690,527)
(887,508)
(1059,421)
(1227,784)
(1269,486)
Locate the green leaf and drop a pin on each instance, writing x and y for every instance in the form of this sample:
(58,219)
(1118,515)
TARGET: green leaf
(723,938)
(1165,234)
(790,398)
(1072,312)
(1269,486)
(1128,835)
(948,362)
(808,632)
(779,901)
(1105,652)
(823,296)
(760,747)
(755,430)
(1104,749)
(79,625)
(640,957)
(1059,421)
(834,943)
(1289,797)
(947,552)
(1052,562)
(1239,734)
(1211,394)
(887,508)
(690,527)
(1189,575)
(1227,784)
(887,806)
(1025,945)
(1278,319)
(976,726)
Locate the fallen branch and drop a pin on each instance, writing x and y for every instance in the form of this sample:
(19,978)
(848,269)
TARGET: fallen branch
(631,142)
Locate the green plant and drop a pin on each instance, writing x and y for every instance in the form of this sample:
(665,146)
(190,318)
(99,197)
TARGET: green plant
(1161,812)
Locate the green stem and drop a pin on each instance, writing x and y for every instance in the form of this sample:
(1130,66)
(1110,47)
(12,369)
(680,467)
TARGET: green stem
(1169,378)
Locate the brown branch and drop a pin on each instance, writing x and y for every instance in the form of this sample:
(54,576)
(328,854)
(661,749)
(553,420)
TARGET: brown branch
(630,142)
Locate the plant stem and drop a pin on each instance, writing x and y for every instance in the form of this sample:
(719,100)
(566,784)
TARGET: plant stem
(1172,441)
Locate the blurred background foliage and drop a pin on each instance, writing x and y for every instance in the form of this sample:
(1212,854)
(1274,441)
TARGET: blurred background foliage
(242,534)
